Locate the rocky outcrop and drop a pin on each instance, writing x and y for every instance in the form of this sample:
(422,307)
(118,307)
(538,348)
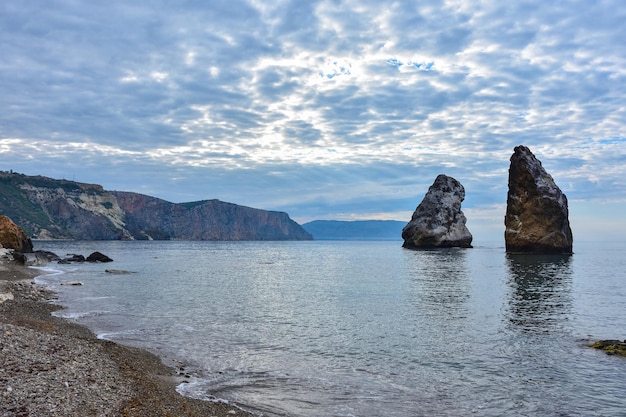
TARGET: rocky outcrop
(59,209)
(611,347)
(438,221)
(72,258)
(36,258)
(14,237)
(537,217)
(98,257)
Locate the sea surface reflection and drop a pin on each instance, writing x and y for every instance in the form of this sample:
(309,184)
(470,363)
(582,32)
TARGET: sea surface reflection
(540,298)
(439,282)
(366,329)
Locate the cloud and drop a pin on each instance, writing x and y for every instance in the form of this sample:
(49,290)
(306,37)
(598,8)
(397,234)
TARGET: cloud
(323,108)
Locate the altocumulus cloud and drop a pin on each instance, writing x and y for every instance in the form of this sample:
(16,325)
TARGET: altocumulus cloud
(324,109)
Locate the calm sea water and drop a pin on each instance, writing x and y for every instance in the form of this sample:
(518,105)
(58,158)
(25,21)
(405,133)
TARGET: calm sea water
(365,328)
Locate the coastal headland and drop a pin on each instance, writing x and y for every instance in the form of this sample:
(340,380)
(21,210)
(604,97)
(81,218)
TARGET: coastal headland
(50,366)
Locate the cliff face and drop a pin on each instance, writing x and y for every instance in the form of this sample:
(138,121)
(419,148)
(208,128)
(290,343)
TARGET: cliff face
(153,218)
(60,209)
(48,208)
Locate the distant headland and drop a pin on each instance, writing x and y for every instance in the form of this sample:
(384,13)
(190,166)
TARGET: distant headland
(49,208)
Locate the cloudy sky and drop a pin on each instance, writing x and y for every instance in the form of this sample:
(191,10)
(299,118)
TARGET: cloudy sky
(323,109)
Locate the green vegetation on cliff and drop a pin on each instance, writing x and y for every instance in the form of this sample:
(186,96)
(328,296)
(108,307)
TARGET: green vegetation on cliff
(60,209)
(15,204)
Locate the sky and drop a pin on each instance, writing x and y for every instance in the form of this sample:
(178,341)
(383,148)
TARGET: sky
(344,110)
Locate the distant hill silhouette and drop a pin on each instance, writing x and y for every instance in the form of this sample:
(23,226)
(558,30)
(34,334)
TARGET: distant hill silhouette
(355,230)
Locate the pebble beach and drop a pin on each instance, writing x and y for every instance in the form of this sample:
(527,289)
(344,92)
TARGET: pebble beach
(52,367)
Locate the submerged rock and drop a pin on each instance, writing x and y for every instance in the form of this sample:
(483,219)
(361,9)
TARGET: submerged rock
(72,283)
(118,271)
(611,347)
(438,221)
(536,218)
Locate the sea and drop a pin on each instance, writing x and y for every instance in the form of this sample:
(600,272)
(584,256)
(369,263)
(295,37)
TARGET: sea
(363,328)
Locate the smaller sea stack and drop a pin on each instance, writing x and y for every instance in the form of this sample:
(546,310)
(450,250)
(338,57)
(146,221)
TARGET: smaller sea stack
(438,221)
(537,217)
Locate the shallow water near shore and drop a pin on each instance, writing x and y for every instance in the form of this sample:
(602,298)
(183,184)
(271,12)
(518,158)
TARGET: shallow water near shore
(328,328)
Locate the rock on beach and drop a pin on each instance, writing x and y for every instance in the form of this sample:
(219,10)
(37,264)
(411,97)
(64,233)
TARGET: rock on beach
(14,237)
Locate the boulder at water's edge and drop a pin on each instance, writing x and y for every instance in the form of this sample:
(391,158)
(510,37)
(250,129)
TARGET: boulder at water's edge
(537,216)
(14,237)
(438,221)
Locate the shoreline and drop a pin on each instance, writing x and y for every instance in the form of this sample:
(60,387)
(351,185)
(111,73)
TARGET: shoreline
(51,366)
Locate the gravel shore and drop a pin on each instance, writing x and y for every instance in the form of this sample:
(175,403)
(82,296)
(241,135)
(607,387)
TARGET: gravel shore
(52,367)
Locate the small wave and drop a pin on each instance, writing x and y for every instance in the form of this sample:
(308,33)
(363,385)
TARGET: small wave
(196,388)
(123,336)
(106,335)
(97,298)
(76,316)
(47,272)
(209,389)
(111,336)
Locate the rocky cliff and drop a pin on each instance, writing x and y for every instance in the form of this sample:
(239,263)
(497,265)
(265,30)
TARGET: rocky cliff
(153,218)
(59,209)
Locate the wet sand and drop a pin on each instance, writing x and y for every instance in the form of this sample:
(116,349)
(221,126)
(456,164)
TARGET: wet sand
(50,366)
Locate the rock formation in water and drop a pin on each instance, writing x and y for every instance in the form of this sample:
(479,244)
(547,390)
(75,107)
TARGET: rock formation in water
(59,209)
(438,221)
(98,257)
(536,218)
(611,347)
(14,237)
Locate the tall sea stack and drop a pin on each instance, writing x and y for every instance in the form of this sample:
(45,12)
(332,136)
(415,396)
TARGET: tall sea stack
(536,218)
(438,221)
